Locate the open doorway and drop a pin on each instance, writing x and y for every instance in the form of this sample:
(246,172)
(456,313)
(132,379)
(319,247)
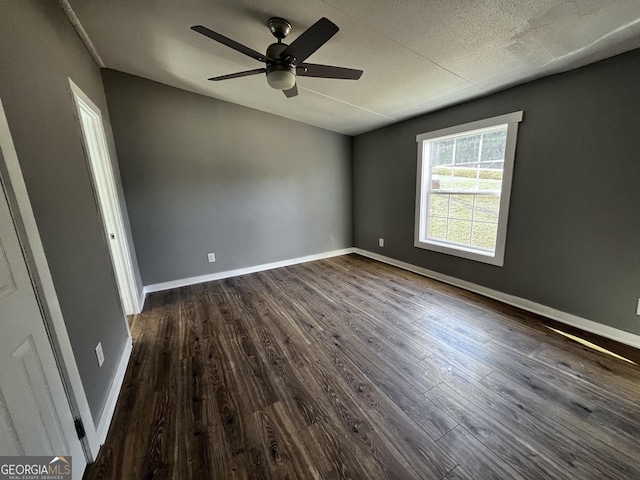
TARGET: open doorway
(97,153)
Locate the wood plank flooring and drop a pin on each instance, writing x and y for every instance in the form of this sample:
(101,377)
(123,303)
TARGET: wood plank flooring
(350,368)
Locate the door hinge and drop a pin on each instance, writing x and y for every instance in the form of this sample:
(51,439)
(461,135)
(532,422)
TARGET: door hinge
(79,428)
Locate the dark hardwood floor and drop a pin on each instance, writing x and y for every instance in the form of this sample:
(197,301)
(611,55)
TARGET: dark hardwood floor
(350,368)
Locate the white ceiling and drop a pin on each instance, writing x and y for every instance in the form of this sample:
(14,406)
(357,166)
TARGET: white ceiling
(417,55)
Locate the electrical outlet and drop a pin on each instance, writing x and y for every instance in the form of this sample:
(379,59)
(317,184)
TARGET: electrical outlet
(638,307)
(99,354)
(212,257)
(381,242)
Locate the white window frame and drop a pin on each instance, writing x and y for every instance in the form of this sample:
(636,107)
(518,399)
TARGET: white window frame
(423,188)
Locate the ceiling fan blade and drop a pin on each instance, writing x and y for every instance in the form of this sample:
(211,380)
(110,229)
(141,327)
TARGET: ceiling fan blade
(229,43)
(327,71)
(310,40)
(246,73)
(292,92)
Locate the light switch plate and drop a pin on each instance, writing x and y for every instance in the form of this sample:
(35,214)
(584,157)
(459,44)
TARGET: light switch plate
(99,354)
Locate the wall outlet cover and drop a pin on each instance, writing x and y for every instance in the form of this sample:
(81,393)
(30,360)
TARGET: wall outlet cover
(381,242)
(212,257)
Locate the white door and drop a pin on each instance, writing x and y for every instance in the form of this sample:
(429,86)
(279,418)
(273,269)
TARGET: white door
(35,417)
(97,153)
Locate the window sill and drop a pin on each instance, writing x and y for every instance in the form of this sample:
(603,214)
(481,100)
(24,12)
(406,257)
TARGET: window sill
(463,252)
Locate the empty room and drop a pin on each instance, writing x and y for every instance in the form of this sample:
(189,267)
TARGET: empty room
(320,239)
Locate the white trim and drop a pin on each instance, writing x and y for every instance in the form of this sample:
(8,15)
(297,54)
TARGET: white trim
(99,162)
(567,318)
(513,117)
(47,295)
(143,296)
(71,15)
(114,391)
(158,287)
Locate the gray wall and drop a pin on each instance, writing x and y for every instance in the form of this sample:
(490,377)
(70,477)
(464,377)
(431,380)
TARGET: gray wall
(573,238)
(202,175)
(39,49)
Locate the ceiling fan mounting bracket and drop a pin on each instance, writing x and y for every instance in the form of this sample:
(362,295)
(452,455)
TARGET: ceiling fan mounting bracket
(279,27)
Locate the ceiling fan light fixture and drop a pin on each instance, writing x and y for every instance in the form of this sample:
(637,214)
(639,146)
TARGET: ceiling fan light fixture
(281,77)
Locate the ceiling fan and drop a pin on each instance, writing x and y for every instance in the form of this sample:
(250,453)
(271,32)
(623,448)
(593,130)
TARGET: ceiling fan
(283,63)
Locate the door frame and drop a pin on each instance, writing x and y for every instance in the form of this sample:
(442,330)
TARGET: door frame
(43,286)
(105,191)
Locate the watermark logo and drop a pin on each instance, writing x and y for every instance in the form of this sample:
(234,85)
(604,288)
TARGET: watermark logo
(35,468)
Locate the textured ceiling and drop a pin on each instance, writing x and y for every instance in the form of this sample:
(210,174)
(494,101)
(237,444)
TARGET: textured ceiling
(417,55)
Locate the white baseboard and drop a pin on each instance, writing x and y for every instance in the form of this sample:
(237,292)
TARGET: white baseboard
(528,305)
(183,282)
(563,317)
(143,296)
(114,391)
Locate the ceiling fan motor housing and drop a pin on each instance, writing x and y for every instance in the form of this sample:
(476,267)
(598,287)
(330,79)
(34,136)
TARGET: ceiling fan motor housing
(275,49)
(281,75)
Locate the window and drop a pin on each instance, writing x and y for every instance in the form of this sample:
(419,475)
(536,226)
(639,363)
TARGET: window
(464,185)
